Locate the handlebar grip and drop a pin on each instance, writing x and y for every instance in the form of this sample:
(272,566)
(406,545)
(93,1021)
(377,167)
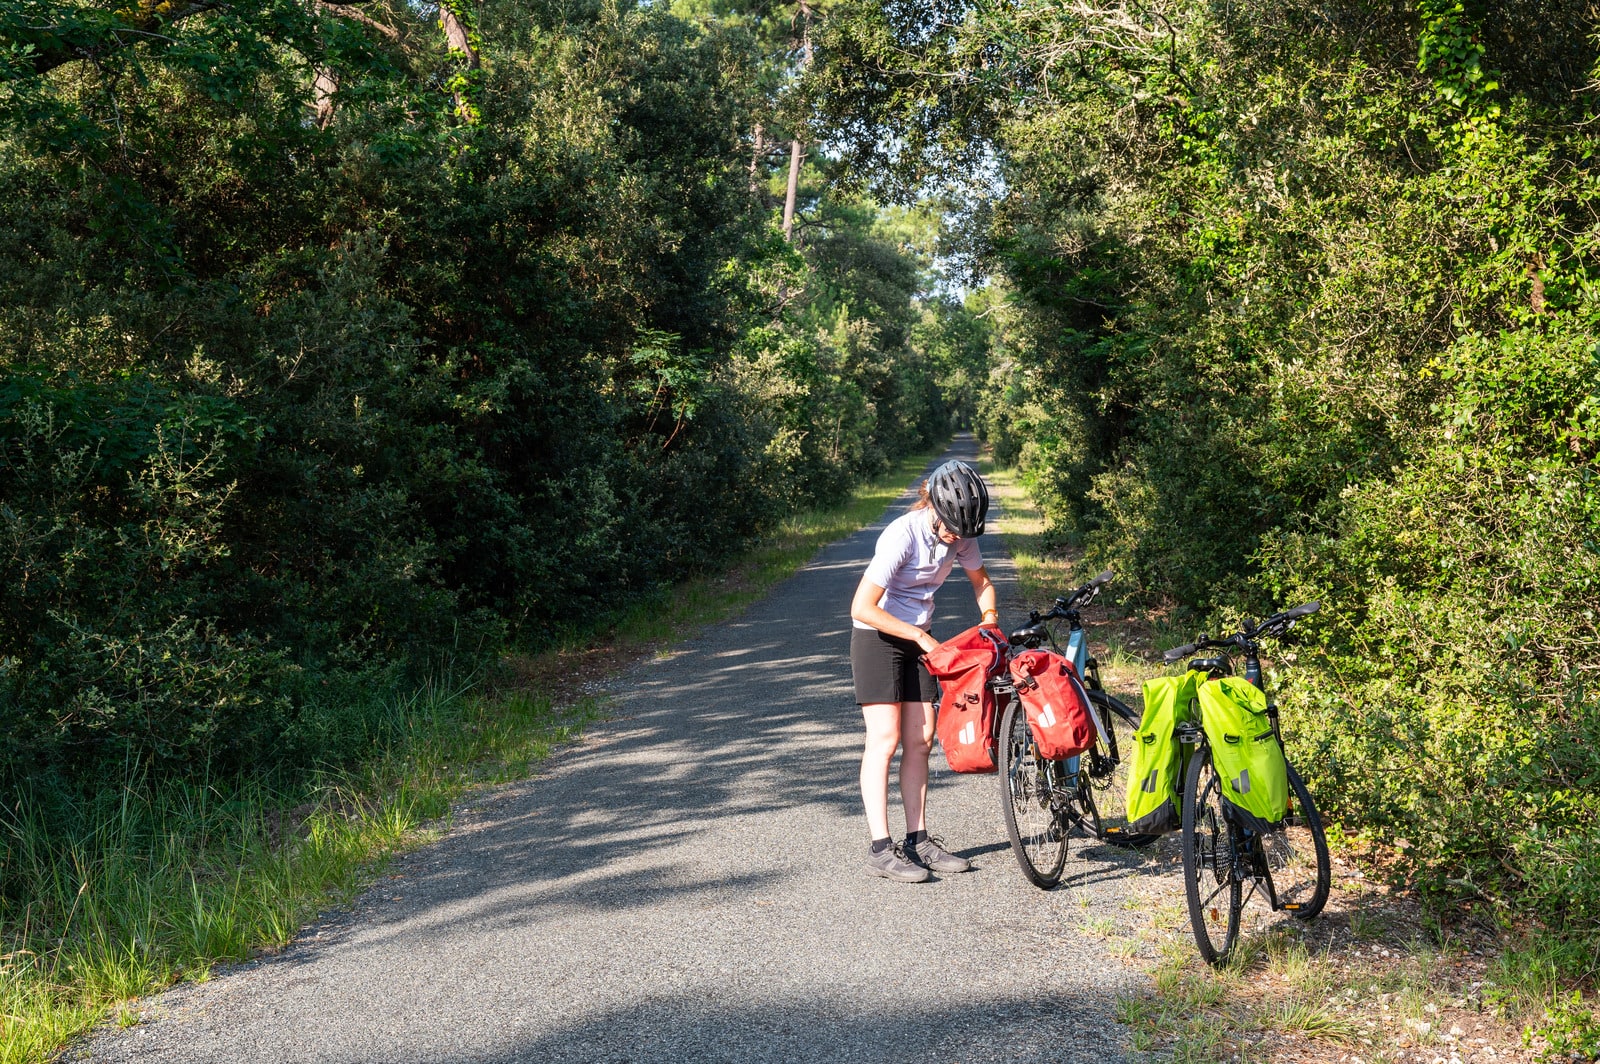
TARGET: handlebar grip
(1303,611)
(1179,652)
(1103,579)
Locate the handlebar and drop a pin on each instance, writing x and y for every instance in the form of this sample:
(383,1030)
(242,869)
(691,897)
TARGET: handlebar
(1180,652)
(1083,596)
(1272,627)
(1279,623)
(1065,609)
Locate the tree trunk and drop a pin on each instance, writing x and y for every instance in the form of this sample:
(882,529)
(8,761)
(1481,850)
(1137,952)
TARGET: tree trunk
(794,191)
(457,36)
(457,26)
(323,87)
(755,158)
(803,16)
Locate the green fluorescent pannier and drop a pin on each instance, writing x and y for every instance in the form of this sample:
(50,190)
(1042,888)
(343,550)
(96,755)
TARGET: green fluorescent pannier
(1153,802)
(1249,761)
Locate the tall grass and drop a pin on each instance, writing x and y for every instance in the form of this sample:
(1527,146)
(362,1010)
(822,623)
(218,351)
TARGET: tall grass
(1043,573)
(112,895)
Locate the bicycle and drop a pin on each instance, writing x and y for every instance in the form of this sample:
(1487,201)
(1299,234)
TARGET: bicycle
(1287,865)
(1048,804)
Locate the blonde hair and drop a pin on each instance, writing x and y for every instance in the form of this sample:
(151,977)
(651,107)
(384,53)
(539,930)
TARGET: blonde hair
(924,500)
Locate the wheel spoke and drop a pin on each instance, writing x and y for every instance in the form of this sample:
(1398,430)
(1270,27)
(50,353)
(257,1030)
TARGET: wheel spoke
(1208,842)
(1107,765)
(1029,803)
(1296,855)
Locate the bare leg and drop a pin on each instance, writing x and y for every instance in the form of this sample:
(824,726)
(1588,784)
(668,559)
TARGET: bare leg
(883,735)
(916,737)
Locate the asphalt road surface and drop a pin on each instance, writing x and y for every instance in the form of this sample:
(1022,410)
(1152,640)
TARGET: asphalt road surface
(686,884)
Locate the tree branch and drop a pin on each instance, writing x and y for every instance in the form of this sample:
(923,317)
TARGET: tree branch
(56,46)
(340,10)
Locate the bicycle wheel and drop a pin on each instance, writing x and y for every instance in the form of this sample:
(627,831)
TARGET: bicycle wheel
(1027,802)
(1210,873)
(1297,855)
(1107,765)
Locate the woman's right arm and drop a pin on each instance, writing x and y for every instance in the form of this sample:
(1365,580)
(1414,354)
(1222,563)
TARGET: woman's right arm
(864,608)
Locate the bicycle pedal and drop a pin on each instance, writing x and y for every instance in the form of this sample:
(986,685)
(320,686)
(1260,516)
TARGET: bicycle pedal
(1291,906)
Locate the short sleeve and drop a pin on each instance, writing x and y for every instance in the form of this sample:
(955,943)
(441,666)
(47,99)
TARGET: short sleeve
(891,554)
(968,554)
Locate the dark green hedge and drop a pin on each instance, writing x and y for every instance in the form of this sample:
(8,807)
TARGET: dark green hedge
(293,415)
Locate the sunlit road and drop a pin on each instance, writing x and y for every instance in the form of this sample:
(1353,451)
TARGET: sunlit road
(686,884)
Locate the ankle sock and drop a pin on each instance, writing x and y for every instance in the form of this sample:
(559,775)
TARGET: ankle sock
(914,837)
(879,845)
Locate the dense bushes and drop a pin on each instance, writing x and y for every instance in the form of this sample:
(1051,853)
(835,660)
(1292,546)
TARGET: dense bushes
(1298,303)
(1465,636)
(334,354)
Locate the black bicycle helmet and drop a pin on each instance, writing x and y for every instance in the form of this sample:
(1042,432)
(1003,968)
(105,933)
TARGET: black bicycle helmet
(959,498)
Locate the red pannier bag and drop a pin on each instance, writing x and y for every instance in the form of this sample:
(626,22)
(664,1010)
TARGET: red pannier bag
(963,666)
(1056,703)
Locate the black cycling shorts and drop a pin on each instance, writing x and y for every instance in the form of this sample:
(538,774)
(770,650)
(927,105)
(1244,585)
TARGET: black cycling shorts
(886,669)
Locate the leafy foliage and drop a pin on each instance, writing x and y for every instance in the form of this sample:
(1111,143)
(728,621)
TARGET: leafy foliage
(1297,301)
(338,343)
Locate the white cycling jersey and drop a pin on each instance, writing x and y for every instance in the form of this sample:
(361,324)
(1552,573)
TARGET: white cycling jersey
(911,562)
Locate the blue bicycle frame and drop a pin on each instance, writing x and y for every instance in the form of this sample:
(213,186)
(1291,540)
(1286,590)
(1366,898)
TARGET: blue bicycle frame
(1077,652)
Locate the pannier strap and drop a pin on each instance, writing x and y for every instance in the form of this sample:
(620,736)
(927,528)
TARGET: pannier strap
(1000,647)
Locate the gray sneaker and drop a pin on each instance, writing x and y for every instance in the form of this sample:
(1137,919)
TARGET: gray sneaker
(892,864)
(929,854)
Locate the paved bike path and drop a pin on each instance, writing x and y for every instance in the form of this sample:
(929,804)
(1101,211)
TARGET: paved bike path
(686,883)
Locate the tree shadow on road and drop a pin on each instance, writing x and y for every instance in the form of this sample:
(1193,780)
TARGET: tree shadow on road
(1052,1027)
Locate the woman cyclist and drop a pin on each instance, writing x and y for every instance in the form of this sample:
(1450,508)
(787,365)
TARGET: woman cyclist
(891,610)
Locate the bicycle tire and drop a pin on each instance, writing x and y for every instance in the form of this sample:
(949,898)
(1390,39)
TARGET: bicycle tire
(1080,827)
(1297,856)
(1032,822)
(1108,768)
(1210,870)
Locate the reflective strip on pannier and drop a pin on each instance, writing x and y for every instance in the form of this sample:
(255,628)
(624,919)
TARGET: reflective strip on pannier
(1249,761)
(965,724)
(1059,714)
(1157,760)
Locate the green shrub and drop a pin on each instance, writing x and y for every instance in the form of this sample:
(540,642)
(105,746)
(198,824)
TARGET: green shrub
(294,406)
(1297,302)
